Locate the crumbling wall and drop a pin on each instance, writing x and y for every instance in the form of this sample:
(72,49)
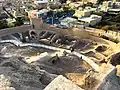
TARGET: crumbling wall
(111,82)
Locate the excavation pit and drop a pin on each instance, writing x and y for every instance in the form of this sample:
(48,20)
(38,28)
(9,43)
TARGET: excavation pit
(52,63)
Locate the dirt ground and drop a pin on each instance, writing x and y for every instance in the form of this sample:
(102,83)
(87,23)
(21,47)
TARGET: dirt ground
(68,65)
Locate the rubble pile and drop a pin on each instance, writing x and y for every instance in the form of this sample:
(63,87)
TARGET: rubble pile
(17,74)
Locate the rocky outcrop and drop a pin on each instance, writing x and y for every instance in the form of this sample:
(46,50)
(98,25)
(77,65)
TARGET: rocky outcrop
(61,83)
(110,82)
(114,59)
(5,83)
(16,74)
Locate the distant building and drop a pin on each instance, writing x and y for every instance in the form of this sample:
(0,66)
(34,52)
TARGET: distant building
(111,7)
(54,1)
(37,13)
(105,6)
(77,24)
(114,11)
(92,20)
(27,2)
(71,22)
(92,1)
(74,4)
(82,13)
(40,4)
(67,21)
(84,1)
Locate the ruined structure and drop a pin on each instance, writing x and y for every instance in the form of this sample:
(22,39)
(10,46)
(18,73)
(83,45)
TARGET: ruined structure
(36,58)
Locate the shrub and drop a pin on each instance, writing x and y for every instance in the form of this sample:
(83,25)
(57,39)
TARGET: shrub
(19,21)
(55,7)
(106,27)
(116,18)
(26,13)
(104,37)
(114,40)
(3,24)
(111,39)
(105,22)
(10,24)
(99,13)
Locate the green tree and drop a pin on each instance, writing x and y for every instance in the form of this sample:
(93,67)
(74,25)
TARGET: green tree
(100,1)
(116,18)
(55,7)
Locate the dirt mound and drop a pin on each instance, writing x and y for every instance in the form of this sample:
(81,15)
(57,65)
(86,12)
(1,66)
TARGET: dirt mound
(63,65)
(101,48)
(95,56)
(114,59)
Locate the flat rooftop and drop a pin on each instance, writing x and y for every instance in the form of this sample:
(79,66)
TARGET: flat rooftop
(89,18)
